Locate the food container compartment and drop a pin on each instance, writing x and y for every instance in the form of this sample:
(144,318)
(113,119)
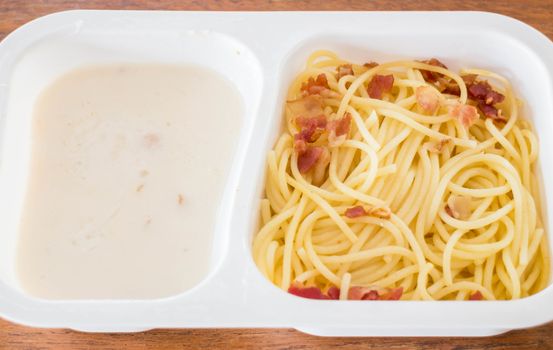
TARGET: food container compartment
(260,53)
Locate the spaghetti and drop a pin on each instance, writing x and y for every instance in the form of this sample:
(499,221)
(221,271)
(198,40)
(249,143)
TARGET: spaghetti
(402,180)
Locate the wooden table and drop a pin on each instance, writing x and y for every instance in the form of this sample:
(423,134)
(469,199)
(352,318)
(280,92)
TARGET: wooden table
(13,13)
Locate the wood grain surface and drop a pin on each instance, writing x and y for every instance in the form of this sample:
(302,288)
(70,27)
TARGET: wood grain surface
(13,13)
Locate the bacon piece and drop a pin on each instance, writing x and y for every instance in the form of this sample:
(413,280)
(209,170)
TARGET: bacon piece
(476,296)
(359,210)
(435,62)
(306,135)
(466,114)
(300,290)
(493,97)
(310,128)
(371,295)
(310,122)
(308,159)
(306,292)
(478,90)
(393,294)
(492,113)
(355,212)
(443,83)
(333,293)
(379,85)
(451,86)
(308,106)
(343,70)
(315,86)
(485,96)
(427,98)
(338,130)
(300,146)
(370,64)
(482,91)
(458,207)
(469,79)
(341,126)
(374,293)
(362,293)
(430,76)
(436,147)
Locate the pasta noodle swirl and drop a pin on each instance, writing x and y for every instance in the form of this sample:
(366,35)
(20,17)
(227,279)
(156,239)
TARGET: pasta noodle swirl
(402,180)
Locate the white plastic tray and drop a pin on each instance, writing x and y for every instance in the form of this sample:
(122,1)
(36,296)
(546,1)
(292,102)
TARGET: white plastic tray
(260,53)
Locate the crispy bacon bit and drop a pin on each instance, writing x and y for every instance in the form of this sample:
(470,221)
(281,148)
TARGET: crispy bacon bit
(430,76)
(485,96)
(308,106)
(341,126)
(479,90)
(436,147)
(379,85)
(310,128)
(313,292)
(374,293)
(492,113)
(338,130)
(443,83)
(482,91)
(343,70)
(363,293)
(476,296)
(370,64)
(314,86)
(308,158)
(371,295)
(494,97)
(451,86)
(466,114)
(393,294)
(359,210)
(427,98)
(354,293)
(355,212)
(312,122)
(469,78)
(306,135)
(300,146)
(306,292)
(435,62)
(333,293)
(458,207)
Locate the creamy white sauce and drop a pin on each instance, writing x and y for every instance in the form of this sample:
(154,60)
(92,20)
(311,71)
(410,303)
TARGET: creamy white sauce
(128,166)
